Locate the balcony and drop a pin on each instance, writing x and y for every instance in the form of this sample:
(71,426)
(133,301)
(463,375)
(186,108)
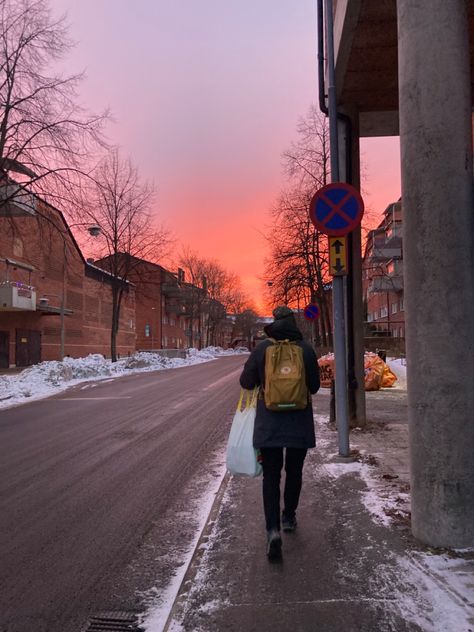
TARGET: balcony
(175,307)
(16,202)
(386,284)
(171,291)
(17,297)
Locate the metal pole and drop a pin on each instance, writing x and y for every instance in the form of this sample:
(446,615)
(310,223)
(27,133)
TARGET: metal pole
(63,301)
(342,416)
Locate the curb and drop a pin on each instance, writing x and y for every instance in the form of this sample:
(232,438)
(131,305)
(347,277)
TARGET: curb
(198,553)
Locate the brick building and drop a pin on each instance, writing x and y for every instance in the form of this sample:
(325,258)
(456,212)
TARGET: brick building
(382,276)
(170,313)
(51,299)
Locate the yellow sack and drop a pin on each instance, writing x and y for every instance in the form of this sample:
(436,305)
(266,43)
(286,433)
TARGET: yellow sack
(373,369)
(388,377)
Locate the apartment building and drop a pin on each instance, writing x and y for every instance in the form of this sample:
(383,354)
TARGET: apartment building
(382,272)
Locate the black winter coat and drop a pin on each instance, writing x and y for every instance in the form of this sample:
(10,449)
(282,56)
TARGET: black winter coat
(282,429)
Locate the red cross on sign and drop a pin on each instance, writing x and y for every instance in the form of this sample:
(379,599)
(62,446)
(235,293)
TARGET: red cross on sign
(336,209)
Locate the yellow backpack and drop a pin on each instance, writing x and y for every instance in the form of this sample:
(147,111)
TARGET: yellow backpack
(285,378)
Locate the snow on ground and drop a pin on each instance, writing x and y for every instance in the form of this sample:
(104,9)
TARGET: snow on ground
(48,378)
(439,595)
(158,603)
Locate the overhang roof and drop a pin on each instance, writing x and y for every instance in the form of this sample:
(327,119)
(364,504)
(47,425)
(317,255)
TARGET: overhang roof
(366,53)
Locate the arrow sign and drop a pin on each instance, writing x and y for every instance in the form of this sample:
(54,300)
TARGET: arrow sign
(338,256)
(337,245)
(336,209)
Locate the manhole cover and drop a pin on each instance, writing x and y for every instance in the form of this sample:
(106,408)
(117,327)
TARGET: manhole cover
(113,622)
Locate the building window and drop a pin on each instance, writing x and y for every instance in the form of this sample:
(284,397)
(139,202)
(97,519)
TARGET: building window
(383,312)
(394,308)
(395,333)
(401,305)
(370,318)
(401,332)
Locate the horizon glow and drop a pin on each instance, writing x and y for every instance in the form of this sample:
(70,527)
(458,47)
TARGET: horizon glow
(205,100)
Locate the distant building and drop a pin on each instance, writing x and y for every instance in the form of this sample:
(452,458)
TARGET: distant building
(382,276)
(170,312)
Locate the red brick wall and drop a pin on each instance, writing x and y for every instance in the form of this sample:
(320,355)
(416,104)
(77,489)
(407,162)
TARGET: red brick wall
(35,241)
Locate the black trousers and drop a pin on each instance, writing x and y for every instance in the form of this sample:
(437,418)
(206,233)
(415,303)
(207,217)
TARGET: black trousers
(272,463)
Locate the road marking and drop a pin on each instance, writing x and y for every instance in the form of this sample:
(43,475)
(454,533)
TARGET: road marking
(222,379)
(82,399)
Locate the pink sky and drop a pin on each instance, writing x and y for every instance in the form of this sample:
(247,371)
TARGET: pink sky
(206,96)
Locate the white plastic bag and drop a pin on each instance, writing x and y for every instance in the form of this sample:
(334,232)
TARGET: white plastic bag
(241,455)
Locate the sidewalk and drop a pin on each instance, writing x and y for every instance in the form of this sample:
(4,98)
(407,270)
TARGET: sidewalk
(351,565)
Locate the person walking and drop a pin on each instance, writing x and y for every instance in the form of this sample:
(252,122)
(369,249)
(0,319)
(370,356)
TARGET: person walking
(282,436)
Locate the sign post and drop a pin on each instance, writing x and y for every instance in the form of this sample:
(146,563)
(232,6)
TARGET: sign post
(336,210)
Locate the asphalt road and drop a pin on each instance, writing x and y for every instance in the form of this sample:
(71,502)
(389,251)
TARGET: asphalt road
(95,484)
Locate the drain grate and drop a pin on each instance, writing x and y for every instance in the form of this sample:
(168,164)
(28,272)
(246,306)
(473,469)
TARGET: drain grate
(114,622)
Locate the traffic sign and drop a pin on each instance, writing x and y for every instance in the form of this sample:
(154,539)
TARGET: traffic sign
(336,209)
(311,312)
(338,256)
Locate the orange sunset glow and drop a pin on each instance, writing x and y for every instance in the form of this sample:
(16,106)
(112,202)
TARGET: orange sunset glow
(205,102)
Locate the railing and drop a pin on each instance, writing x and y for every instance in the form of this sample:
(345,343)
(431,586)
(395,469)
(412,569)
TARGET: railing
(386,284)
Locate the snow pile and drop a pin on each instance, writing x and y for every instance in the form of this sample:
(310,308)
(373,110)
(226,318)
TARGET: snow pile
(48,378)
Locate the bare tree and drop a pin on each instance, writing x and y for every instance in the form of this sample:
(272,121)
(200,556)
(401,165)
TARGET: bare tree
(120,204)
(212,293)
(307,161)
(247,324)
(46,138)
(297,267)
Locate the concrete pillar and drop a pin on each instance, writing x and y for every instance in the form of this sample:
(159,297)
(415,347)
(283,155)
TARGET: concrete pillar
(436,156)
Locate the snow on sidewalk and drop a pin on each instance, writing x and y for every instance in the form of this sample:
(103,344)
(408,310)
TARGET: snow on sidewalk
(48,378)
(437,594)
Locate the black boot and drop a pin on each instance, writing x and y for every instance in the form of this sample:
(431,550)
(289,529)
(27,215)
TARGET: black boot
(274,545)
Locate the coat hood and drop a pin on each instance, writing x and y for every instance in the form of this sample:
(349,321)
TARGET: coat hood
(283,329)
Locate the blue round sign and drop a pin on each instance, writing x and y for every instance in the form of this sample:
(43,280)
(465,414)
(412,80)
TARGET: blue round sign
(311,312)
(336,209)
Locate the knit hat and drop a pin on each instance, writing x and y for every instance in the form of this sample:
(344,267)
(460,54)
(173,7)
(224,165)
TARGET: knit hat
(282,311)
